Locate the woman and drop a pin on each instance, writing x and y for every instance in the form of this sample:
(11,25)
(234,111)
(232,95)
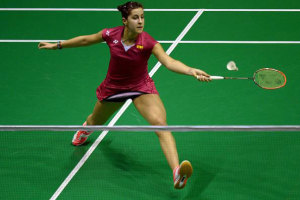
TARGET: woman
(127,77)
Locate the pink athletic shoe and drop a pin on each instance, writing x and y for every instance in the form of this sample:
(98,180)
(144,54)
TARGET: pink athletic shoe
(81,136)
(181,174)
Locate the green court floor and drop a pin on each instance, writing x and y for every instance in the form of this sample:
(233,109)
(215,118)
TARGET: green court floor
(58,88)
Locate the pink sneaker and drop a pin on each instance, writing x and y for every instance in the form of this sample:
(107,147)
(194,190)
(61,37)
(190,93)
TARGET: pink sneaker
(181,174)
(81,136)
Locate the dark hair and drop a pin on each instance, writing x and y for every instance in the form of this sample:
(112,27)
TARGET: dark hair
(126,8)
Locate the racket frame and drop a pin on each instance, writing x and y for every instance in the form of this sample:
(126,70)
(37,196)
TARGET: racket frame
(273,88)
(253,78)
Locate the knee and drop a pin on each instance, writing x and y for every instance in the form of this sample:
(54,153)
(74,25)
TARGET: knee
(159,121)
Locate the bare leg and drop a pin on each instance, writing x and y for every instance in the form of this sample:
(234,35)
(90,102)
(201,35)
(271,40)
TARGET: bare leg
(102,112)
(152,109)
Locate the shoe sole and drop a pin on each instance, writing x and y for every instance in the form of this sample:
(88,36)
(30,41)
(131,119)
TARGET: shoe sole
(186,171)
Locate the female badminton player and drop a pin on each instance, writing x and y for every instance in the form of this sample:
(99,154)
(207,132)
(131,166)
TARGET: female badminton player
(127,77)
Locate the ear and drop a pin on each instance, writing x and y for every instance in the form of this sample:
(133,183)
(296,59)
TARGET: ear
(124,21)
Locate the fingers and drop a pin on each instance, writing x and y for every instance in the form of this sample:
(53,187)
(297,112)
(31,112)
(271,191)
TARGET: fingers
(201,75)
(203,78)
(46,45)
(205,74)
(41,45)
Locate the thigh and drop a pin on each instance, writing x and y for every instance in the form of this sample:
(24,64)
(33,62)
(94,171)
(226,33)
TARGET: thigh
(151,108)
(104,110)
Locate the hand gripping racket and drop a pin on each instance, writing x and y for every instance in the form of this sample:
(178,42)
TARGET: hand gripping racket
(266,78)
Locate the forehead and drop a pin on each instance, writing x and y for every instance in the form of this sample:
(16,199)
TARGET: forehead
(137,11)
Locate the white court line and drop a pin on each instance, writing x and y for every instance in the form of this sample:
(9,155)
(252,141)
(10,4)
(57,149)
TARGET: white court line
(178,39)
(118,115)
(239,42)
(252,10)
(159,10)
(169,41)
(58,9)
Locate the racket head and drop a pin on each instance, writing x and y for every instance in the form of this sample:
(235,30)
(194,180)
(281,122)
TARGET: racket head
(269,78)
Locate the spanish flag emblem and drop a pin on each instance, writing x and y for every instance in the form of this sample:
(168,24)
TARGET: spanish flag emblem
(139,47)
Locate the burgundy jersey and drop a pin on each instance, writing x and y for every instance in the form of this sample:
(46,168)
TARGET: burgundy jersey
(128,70)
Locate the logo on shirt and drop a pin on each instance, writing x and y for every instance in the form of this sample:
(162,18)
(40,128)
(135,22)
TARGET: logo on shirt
(139,47)
(107,33)
(115,41)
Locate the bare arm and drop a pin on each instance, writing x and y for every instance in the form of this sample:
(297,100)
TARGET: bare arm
(177,66)
(79,41)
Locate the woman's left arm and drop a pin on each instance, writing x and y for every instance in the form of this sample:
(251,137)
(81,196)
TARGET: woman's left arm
(177,66)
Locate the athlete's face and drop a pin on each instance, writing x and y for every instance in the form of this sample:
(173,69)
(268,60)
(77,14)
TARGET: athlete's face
(135,21)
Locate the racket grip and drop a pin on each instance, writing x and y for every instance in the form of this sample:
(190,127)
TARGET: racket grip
(216,77)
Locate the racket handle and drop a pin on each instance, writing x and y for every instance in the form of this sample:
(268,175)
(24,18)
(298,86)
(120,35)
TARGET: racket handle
(216,77)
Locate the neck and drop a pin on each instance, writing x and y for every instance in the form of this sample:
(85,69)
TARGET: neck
(129,36)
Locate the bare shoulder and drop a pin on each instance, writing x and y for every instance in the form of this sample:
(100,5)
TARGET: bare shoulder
(158,49)
(161,55)
(99,34)
(97,37)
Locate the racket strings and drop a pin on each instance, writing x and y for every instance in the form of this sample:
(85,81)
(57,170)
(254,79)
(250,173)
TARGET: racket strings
(270,79)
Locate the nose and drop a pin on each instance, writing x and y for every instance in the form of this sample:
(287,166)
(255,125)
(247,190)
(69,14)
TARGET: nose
(140,20)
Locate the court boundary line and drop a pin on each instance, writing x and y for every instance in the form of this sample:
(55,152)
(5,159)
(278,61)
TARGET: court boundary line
(153,10)
(120,112)
(180,42)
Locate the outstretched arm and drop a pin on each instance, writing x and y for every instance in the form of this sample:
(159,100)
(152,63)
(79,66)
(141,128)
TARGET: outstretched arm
(177,66)
(79,41)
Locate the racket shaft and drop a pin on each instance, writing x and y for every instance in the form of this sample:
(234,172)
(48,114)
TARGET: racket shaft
(222,77)
(241,78)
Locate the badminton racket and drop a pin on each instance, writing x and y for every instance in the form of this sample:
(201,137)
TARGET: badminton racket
(266,78)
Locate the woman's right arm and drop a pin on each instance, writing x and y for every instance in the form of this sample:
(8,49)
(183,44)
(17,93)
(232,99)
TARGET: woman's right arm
(79,41)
